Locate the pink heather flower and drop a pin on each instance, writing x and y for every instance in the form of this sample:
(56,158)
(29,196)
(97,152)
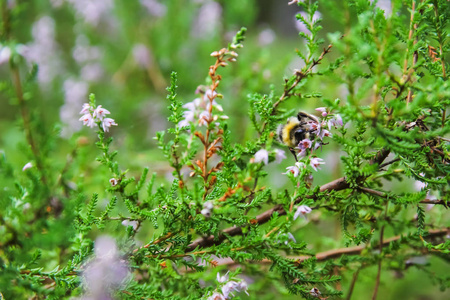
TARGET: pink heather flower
(85,109)
(323,110)
(262,156)
(100,113)
(302,210)
(305,144)
(316,162)
(88,120)
(324,133)
(222,279)
(295,169)
(279,155)
(107,123)
(208,205)
(27,166)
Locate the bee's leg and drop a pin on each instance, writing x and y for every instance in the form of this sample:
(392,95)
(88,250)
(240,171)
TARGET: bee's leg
(293,153)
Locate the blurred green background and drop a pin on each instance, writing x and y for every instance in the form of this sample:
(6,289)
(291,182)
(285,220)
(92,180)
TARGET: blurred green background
(123,51)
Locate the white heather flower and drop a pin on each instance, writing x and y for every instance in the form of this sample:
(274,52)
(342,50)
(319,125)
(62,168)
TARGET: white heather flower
(106,272)
(100,112)
(279,155)
(229,288)
(242,286)
(302,210)
(206,212)
(262,156)
(323,110)
(107,123)
(316,162)
(133,224)
(5,54)
(27,166)
(113,181)
(222,279)
(88,120)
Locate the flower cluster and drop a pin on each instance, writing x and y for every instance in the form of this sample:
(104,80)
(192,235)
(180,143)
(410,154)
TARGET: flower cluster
(228,288)
(199,110)
(92,116)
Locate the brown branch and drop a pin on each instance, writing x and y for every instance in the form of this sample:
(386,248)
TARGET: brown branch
(384,195)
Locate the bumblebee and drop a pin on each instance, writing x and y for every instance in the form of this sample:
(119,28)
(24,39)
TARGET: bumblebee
(297,129)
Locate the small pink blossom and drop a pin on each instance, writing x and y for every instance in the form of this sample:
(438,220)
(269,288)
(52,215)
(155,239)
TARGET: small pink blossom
(316,162)
(107,123)
(27,166)
(88,120)
(262,156)
(86,108)
(295,169)
(302,210)
(323,110)
(100,113)
(113,181)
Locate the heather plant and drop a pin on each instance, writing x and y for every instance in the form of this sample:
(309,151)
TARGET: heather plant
(219,205)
